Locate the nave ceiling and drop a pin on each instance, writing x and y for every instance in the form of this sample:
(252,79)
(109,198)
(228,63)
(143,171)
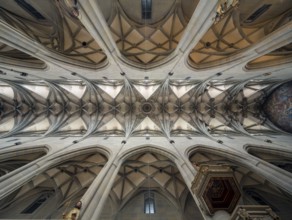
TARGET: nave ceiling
(137,108)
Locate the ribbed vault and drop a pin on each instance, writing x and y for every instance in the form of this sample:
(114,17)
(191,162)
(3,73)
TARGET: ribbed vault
(176,74)
(55,25)
(237,27)
(148,171)
(66,182)
(148,41)
(135,108)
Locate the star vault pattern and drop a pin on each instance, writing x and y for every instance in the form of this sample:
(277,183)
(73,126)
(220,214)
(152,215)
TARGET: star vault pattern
(135,107)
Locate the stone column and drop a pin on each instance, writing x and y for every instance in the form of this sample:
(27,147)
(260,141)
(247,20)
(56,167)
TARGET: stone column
(220,215)
(200,22)
(21,42)
(94,198)
(188,175)
(274,175)
(17,178)
(92,18)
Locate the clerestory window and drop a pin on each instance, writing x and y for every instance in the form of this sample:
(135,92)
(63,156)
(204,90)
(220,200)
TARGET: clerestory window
(149,203)
(146,9)
(36,204)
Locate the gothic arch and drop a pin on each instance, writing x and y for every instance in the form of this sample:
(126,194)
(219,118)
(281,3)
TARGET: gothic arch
(55,28)
(17,58)
(61,156)
(278,57)
(14,159)
(233,33)
(149,168)
(220,152)
(163,206)
(143,148)
(67,179)
(150,42)
(281,159)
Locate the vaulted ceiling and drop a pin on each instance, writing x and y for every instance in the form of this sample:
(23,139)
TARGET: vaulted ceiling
(70,31)
(141,68)
(148,170)
(135,108)
(56,26)
(138,34)
(67,180)
(147,41)
(242,25)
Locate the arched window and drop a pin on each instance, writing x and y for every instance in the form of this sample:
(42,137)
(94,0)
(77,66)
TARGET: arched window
(146,9)
(36,204)
(281,159)
(259,199)
(284,165)
(149,203)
